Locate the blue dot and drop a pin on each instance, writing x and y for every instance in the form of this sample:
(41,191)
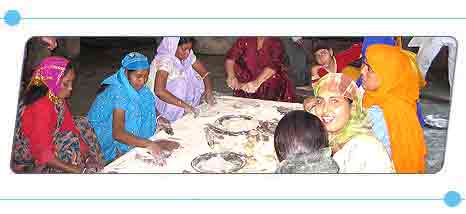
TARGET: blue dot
(452,199)
(12,17)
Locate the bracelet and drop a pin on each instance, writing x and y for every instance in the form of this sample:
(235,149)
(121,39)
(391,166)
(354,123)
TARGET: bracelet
(205,75)
(84,170)
(157,118)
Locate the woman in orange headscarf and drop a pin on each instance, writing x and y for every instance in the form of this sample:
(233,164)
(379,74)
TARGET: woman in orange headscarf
(391,84)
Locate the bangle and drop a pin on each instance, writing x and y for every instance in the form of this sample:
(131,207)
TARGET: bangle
(205,75)
(157,118)
(84,170)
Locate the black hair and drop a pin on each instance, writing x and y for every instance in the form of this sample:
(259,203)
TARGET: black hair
(185,40)
(299,132)
(33,92)
(322,44)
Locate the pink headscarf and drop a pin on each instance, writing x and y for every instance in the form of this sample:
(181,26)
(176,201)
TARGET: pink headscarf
(49,72)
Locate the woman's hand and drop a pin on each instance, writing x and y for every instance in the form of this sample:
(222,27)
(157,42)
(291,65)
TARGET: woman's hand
(251,87)
(155,149)
(309,103)
(167,145)
(209,98)
(163,123)
(233,83)
(191,110)
(92,165)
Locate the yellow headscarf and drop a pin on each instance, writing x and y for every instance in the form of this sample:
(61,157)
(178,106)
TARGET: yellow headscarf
(359,124)
(397,95)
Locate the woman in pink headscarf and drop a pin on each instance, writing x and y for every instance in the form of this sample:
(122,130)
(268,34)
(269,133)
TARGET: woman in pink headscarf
(178,78)
(47,138)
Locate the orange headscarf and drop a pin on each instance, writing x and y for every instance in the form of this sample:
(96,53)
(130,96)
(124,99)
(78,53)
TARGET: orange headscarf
(397,95)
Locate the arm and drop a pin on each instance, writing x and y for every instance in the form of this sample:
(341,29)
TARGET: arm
(275,65)
(202,71)
(265,75)
(161,91)
(229,68)
(346,57)
(121,135)
(232,56)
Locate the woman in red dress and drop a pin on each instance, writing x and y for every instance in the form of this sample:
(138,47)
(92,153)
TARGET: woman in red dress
(255,69)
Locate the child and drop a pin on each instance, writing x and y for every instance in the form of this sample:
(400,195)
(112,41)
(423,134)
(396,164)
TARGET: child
(300,143)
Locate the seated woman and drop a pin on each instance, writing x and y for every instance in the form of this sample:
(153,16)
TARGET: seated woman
(301,143)
(47,140)
(392,41)
(338,104)
(255,69)
(123,113)
(178,78)
(391,84)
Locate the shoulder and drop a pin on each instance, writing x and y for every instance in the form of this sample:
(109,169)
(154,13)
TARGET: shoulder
(367,144)
(375,113)
(162,63)
(42,110)
(243,41)
(162,60)
(113,91)
(43,104)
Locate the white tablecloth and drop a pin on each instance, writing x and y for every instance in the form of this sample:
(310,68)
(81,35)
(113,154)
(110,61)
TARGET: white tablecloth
(189,132)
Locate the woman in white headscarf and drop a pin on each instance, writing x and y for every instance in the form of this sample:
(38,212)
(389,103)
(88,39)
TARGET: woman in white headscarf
(178,79)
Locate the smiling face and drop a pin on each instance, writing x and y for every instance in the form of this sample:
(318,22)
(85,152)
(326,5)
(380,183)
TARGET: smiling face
(137,78)
(333,110)
(323,56)
(66,84)
(182,51)
(370,81)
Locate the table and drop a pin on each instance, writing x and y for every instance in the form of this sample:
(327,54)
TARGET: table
(189,132)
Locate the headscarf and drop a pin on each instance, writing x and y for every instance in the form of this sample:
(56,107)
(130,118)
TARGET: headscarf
(392,41)
(396,96)
(372,40)
(346,87)
(143,97)
(167,48)
(49,73)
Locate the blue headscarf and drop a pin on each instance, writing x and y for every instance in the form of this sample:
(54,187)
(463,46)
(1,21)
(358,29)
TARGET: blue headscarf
(372,40)
(139,107)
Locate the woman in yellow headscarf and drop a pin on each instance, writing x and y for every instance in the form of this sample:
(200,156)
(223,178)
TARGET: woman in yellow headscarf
(391,83)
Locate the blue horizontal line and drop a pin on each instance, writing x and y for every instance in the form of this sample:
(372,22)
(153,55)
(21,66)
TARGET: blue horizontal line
(221,199)
(244,18)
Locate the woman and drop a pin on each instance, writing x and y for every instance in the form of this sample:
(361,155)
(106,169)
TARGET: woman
(123,114)
(391,84)
(338,104)
(301,143)
(255,69)
(178,78)
(47,139)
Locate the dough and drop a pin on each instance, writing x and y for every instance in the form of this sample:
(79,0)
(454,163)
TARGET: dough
(239,124)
